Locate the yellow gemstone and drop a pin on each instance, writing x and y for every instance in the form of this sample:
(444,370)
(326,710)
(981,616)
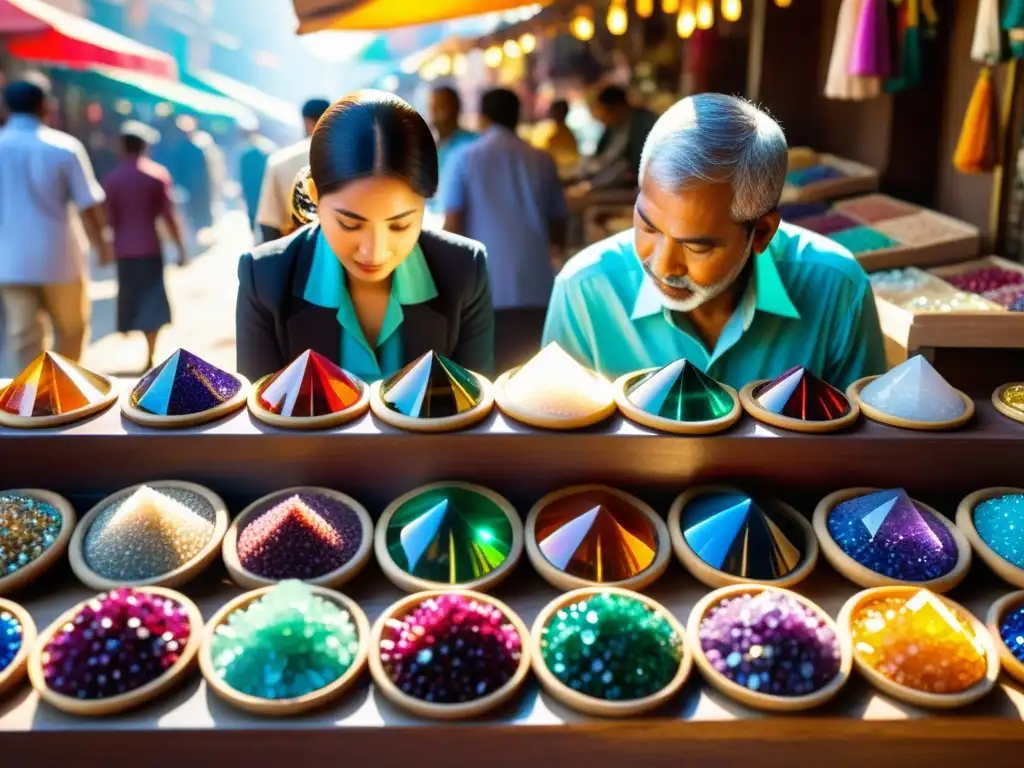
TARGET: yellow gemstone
(919,642)
(1013,396)
(553,384)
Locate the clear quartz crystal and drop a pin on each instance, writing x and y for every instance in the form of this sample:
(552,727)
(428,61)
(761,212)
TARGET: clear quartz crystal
(914,390)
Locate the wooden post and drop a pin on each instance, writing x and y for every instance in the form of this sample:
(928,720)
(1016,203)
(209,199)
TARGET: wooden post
(755,49)
(1010,139)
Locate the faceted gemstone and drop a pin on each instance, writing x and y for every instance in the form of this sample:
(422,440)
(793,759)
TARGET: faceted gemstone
(183,385)
(888,533)
(914,390)
(597,536)
(149,533)
(799,394)
(303,537)
(449,534)
(450,649)
(771,643)
(1011,630)
(288,643)
(28,527)
(10,638)
(52,385)
(735,534)
(611,647)
(1013,396)
(920,642)
(431,387)
(1000,524)
(680,392)
(118,642)
(552,384)
(311,386)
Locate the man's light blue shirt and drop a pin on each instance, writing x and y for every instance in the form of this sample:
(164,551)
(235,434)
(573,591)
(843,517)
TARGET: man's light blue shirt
(446,150)
(508,194)
(411,283)
(808,303)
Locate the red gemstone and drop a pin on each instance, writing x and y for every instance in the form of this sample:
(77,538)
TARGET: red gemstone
(311,386)
(799,394)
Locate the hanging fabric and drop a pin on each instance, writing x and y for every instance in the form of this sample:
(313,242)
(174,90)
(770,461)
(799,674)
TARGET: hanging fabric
(871,55)
(987,46)
(909,47)
(1013,25)
(840,84)
(977,150)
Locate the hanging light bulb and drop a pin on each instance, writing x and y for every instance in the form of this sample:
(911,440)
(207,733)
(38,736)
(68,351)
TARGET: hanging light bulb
(493,56)
(618,17)
(732,10)
(645,8)
(783,3)
(443,65)
(670,7)
(511,49)
(705,14)
(582,26)
(528,43)
(687,21)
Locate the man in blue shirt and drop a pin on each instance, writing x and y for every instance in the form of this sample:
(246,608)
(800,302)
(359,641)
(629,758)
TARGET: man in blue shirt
(506,194)
(709,273)
(445,116)
(252,166)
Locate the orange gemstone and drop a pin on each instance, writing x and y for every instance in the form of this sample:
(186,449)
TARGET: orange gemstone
(52,385)
(596,535)
(920,642)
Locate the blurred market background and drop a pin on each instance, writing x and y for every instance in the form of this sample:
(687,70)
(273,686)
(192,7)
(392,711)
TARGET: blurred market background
(213,76)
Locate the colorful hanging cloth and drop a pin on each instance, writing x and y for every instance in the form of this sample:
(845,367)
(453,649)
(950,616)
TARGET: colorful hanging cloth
(871,55)
(1013,25)
(840,84)
(908,34)
(987,47)
(977,150)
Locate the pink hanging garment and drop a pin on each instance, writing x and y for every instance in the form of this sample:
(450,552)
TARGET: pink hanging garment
(840,84)
(871,55)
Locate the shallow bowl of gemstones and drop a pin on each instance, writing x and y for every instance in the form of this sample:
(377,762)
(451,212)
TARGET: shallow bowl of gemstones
(116,651)
(316,535)
(768,648)
(52,391)
(159,534)
(17,635)
(609,652)
(799,401)
(1005,622)
(919,647)
(878,538)
(449,655)
(913,395)
(35,529)
(285,649)
(1008,399)
(992,520)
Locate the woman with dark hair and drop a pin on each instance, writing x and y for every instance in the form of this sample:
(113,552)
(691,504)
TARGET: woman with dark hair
(362,283)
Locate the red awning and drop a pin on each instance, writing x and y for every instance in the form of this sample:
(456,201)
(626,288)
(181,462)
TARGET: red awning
(33,30)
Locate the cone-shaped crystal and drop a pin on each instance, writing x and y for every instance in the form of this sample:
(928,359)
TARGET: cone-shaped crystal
(914,390)
(733,533)
(449,535)
(311,386)
(553,384)
(52,386)
(890,534)
(596,535)
(681,392)
(432,387)
(799,394)
(183,385)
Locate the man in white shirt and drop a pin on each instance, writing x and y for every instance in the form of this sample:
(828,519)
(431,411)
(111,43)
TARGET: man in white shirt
(273,215)
(43,174)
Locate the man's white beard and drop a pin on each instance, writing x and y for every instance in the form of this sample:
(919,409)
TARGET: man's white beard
(701,294)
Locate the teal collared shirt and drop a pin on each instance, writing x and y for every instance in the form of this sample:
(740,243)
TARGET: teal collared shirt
(808,303)
(411,283)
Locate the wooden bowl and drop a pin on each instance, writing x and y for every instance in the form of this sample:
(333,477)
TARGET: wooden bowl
(755,699)
(1003,568)
(437,711)
(566,581)
(1011,664)
(642,417)
(12,674)
(284,707)
(865,577)
(854,390)
(526,416)
(752,407)
(911,695)
(26,575)
(79,414)
(126,701)
(155,421)
(713,577)
(326,421)
(474,415)
(175,578)
(1003,408)
(333,579)
(411,583)
(592,705)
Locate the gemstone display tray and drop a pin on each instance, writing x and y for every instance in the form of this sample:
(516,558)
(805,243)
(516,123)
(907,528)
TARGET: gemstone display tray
(857,179)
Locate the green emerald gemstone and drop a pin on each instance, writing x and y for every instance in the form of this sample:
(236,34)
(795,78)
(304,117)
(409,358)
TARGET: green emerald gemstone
(680,392)
(449,535)
(611,647)
(431,387)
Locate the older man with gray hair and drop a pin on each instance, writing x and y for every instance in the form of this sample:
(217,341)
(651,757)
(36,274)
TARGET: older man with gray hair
(709,272)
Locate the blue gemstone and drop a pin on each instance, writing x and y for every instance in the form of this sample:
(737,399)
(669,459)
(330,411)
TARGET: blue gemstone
(1000,524)
(1011,630)
(10,639)
(183,385)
